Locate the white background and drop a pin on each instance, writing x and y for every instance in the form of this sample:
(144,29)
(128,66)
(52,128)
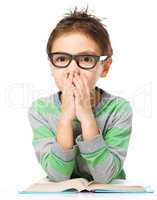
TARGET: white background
(25,76)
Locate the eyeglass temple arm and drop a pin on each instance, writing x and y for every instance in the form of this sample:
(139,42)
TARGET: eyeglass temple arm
(102,58)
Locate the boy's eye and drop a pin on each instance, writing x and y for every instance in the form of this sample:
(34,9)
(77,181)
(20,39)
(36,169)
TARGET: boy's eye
(61,59)
(87,59)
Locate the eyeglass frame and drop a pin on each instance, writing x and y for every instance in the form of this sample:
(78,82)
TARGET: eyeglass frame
(74,57)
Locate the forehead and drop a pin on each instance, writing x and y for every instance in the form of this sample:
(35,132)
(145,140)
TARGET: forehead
(74,43)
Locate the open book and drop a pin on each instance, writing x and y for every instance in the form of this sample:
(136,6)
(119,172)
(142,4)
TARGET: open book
(82,184)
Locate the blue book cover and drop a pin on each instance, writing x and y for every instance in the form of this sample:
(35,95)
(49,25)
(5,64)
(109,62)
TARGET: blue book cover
(75,185)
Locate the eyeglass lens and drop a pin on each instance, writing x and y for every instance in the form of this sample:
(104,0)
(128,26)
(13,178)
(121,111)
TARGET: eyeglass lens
(62,60)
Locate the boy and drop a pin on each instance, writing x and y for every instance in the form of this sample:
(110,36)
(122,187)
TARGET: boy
(82,130)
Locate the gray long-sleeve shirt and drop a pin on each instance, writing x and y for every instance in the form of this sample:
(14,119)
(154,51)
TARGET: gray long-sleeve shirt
(101,158)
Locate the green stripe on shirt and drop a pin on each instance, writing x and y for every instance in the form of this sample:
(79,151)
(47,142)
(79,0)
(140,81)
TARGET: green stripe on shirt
(96,157)
(118,137)
(45,107)
(42,132)
(118,105)
(63,167)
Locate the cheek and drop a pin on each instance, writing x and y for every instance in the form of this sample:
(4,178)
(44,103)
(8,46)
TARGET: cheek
(96,74)
(91,79)
(59,84)
(58,81)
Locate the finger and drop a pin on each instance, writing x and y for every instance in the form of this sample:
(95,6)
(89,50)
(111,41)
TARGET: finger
(65,82)
(75,92)
(78,84)
(86,85)
(70,80)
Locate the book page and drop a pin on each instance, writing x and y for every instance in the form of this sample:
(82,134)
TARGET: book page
(117,185)
(45,185)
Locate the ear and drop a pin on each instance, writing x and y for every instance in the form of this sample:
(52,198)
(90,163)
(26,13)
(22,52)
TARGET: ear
(105,67)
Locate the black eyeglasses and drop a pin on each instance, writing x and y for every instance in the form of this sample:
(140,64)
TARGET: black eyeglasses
(62,60)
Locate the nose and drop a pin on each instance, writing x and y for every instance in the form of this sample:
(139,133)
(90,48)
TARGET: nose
(73,68)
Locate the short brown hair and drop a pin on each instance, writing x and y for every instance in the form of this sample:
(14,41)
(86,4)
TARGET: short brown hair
(81,21)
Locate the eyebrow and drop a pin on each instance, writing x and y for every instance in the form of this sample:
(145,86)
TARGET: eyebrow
(87,52)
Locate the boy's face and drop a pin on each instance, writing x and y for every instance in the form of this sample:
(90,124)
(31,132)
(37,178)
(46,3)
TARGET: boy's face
(78,43)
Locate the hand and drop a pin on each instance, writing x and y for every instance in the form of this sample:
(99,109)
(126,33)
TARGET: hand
(81,92)
(68,105)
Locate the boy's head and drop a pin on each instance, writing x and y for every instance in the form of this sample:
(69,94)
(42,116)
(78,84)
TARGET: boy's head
(79,33)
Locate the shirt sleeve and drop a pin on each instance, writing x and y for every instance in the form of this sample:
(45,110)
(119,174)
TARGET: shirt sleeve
(105,154)
(56,162)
